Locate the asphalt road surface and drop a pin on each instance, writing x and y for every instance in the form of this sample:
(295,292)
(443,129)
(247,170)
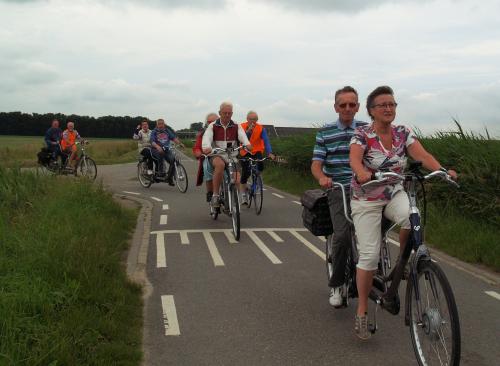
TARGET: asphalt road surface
(264,300)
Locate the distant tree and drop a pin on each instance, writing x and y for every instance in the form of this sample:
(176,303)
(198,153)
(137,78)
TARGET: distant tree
(196,126)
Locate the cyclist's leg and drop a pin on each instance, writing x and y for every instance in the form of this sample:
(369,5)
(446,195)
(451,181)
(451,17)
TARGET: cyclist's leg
(398,211)
(208,176)
(218,165)
(367,219)
(341,237)
(158,158)
(169,157)
(245,174)
(260,164)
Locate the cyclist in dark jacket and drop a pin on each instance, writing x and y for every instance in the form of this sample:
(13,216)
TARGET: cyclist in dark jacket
(53,138)
(160,141)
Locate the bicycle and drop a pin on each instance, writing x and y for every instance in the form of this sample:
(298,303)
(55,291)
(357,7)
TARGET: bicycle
(179,176)
(256,191)
(430,307)
(229,199)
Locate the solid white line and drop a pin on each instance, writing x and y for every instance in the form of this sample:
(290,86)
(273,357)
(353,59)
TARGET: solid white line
(264,248)
(165,207)
(322,238)
(156,199)
(297,202)
(163,219)
(308,244)
(184,237)
(161,258)
(494,294)
(275,236)
(170,316)
(212,248)
(135,193)
(277,195)
(230,237)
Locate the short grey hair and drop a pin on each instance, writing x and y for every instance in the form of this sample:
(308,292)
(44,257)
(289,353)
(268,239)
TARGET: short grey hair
(160,120)
(226,104)
(210,115)
(252,112)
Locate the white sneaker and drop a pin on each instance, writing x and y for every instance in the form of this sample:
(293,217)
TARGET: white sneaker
(149,172)
(244,199)
(336,296)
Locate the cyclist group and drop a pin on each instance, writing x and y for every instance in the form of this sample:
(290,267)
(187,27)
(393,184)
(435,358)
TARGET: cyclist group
(63,143)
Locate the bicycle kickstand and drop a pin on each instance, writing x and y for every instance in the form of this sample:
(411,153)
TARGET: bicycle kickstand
(373,326)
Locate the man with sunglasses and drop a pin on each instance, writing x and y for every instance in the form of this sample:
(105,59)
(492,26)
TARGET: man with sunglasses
(330,163)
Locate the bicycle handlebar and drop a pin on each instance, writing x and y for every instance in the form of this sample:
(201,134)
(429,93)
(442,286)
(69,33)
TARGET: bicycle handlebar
(344,199)
(382,177)
(254,160)
(228,150)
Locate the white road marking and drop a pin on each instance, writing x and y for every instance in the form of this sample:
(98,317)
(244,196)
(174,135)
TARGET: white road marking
(184,237)
(134,193)
(163,219)
(165,207)
(230,237)
(212,248)
(297,202)
(161,258)
(156,199)
(190,231)
(275,236)
(170,316)
(277,195)
(260,244)
(322,238)
(392,241)
(308,244)
(264,189)
(494,294)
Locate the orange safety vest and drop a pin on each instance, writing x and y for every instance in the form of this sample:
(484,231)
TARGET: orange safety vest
(255,139)
(71,137)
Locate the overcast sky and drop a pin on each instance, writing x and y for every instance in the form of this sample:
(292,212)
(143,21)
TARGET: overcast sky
(178,59)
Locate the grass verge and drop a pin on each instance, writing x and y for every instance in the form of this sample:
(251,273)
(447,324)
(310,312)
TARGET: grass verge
(65,298)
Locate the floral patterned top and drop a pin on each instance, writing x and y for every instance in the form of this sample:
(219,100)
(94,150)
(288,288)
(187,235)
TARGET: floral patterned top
(377,158)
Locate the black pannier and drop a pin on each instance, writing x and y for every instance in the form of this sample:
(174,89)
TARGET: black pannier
(316,212)
(44,156)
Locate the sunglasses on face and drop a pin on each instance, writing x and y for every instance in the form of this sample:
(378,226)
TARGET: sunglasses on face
(344,105)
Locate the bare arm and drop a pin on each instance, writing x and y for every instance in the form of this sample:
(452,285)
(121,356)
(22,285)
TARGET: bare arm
(317,172)
(417,152)
(356,162)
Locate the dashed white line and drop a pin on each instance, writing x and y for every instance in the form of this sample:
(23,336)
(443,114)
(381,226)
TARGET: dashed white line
(161,258)
(134,193)
(164,207)
(275,236)
(308,244)
(277,195)
(297,202)
(230,237)
(260,244)
(156,199)
(170,316)
(212,248)
(163,219)
(494,294)
(184,237)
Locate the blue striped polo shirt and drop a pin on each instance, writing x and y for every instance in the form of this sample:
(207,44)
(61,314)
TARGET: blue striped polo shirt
(332,149)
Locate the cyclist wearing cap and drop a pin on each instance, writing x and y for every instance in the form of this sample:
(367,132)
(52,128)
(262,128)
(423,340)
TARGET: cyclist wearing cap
(259,140)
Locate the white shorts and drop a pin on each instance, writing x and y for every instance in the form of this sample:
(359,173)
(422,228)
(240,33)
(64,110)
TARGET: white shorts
(367,217)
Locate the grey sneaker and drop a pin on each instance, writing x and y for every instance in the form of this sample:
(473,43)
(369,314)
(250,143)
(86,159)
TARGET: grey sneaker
(336,296)
(361,327)
(215,201)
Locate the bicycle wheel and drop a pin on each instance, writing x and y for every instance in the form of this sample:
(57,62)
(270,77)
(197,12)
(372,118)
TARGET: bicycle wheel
(144,179)
(434,324)
(87,168)
(234,205)
(258,194)
(181,178)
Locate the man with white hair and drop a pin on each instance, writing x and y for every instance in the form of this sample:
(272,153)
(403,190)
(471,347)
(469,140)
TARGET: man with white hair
(223,133)
(68,143)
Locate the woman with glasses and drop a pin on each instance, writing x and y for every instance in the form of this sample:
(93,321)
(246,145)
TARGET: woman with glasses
(380,146)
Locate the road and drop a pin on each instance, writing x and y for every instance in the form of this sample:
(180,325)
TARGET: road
(264,300)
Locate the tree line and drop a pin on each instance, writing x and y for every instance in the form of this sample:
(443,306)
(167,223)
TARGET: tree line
(26,124)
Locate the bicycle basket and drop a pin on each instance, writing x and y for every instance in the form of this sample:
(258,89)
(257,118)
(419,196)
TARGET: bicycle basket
(316,212)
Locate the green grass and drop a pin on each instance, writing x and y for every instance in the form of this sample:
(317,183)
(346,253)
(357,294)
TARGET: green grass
(280,177)
(65,298)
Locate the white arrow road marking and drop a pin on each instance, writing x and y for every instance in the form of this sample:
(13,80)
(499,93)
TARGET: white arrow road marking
(161,258)
(134,193)
(260,244)
(156,199)
(494,294)
(307,244)
(275,236)
(277,195)
(212,248)
(163,219)
(165,207)
(170,316)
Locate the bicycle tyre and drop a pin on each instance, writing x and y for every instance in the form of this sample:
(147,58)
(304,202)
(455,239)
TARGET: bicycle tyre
(235,211)
(181,178)
(251,192)
(431,328)
(144,180)
(258,194)
(87,168)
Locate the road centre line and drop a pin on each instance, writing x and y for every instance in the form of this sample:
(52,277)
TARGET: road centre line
(275,236)
(184,237)
(260,244)
(134,193)
(170,316)
(163,219)
(156,199)
(212,248)
(277,195)
(308,244)
(494,294)
(230,237)
(161,258)
(164,207)
(297,202)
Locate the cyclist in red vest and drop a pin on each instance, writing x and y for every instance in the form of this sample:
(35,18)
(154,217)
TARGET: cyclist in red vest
(257,135)
(224,132)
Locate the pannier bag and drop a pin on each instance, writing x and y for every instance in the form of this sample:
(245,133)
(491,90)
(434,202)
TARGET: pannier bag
(316,212)
(44,156)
